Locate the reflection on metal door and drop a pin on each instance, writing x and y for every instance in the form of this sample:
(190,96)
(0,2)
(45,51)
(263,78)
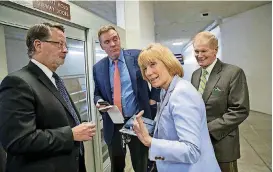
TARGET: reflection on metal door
(99,54)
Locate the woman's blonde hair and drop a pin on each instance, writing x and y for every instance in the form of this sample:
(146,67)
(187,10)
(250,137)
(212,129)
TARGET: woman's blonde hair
(162,53)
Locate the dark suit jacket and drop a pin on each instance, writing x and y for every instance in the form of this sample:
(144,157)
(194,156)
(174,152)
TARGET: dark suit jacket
(35,125)
(3,159)
(227,105)
(103,89)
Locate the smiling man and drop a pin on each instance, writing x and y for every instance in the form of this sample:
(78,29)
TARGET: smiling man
(118,80)
(225,93)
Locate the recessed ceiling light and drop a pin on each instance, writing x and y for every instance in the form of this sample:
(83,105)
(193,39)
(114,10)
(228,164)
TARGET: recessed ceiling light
(177,43)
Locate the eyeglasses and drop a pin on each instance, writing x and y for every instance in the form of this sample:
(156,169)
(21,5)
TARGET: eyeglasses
(60,44)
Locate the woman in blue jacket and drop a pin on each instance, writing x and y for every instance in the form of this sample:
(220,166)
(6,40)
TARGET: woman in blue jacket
(181,141)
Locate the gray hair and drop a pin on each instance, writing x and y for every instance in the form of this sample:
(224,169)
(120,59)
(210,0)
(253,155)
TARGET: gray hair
(40,32)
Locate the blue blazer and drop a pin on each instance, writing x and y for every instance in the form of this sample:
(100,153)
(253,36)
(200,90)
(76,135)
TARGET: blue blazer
(181,140)
(103,89)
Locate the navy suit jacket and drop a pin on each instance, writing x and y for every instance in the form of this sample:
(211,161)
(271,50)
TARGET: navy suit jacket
(140,88)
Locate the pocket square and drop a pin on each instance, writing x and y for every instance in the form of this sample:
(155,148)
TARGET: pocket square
(216,91)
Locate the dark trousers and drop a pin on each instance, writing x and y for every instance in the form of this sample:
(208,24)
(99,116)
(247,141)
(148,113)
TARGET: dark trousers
(82,164)
(139,153)
(228,166)
(3,159)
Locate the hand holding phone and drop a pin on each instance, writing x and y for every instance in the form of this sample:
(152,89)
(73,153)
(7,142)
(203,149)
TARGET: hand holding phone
(103,106)
(105,103)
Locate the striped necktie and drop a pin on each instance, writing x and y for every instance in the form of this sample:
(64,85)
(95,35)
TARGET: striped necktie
(63,92)
(203,81)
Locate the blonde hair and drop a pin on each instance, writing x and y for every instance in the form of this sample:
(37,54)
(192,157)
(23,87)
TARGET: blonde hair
(206,38)
(104,29)
(162,53)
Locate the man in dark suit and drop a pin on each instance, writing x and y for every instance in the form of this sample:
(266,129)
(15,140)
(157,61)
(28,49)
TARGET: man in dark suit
(133,95)
(225,93)
(40,128)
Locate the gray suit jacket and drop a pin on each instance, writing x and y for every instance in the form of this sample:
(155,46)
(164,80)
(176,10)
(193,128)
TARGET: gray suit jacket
(227,105)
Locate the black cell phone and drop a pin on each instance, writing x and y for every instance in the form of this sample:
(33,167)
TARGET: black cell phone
(104,103)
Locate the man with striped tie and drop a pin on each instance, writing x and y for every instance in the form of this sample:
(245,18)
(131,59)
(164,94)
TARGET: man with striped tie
(40,127)
(225,93)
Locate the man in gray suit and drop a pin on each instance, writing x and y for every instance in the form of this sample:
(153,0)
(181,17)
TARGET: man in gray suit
(225,93)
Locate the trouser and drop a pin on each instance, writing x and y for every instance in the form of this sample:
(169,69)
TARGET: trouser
(117,153)
(228,166)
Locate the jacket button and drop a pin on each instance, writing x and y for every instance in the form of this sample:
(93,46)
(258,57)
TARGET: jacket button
(77,158)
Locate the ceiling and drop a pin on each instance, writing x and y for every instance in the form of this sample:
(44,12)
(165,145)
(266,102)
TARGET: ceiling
(103,9)
(177,21)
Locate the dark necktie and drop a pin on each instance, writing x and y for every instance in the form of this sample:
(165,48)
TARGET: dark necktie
(62,90)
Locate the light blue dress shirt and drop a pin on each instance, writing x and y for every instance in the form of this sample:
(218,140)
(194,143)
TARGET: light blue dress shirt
(128,98)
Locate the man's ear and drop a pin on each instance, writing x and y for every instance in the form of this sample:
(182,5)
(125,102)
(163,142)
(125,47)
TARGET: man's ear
(216,50)
(101,46)
(37,45)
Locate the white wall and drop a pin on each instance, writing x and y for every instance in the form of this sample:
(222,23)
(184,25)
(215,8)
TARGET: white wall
(3,59)
(139,24)
(147,23)
(246,40)
(132,25)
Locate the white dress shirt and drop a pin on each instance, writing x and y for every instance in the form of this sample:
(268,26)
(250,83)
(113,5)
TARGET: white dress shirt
(45,69)
(209,68)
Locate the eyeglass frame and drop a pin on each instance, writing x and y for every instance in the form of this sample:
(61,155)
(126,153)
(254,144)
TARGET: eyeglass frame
(60,44)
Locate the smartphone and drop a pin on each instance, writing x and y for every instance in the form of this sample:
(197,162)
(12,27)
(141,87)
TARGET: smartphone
(104,103)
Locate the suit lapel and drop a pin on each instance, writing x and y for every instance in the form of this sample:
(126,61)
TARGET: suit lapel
(213,79)
(165,99)
(131,66)
(46,81)
(196,78)
(105,71)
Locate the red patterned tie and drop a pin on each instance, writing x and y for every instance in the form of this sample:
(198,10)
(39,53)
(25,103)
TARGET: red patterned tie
(117,87)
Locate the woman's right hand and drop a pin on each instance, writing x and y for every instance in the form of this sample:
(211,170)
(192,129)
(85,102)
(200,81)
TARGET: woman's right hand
(141,130)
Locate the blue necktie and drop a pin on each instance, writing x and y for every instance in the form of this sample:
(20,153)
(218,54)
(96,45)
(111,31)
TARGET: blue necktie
(62,90)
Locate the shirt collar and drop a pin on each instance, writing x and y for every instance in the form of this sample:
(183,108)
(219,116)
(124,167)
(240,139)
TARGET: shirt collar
(45,69)
(210,67)
(120,58)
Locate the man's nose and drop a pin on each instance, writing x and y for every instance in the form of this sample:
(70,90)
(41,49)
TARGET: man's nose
(112,43)
(65,50)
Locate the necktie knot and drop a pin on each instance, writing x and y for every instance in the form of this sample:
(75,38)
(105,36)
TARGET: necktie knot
(55,76)
(116,62)
(205,72)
